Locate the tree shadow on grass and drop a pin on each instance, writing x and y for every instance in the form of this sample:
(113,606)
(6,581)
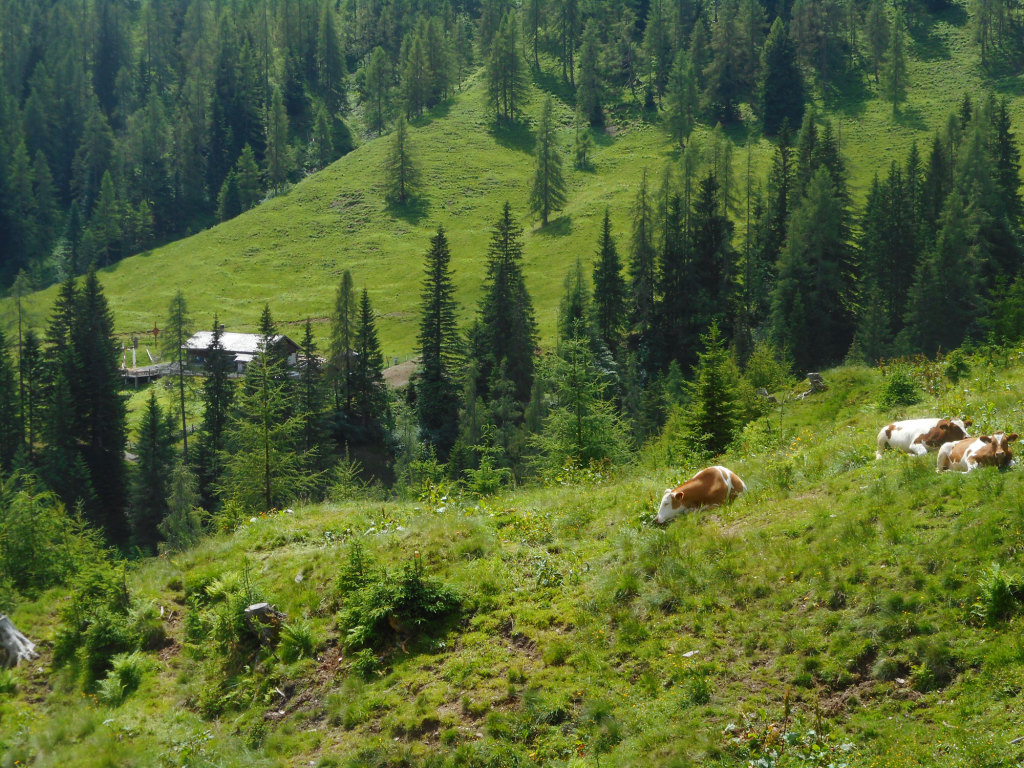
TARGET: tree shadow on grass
(436,113)
(849,93)
(556,86)
(514,134)
(929,45)
(412,211)
(556,227)
(910,117)
(1010,86)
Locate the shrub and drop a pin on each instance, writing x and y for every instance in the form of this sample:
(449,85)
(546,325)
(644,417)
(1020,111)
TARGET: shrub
(885,668)
(957,366)
(355,570)
(366,663)
(996,601)
(124,676)
(391,604)
(8,683)
(899,388)
(936,666)
(298,641)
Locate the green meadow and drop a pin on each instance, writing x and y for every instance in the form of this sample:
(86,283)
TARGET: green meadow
(845,611)
(291,250)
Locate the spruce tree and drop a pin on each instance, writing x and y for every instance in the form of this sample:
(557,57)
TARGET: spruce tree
(437,389)
(548,192)
(809,318)
(11,437)
(642,270)
(588,93)
(401,176)
(229,202)
(100,404)
(178,329)
(877,29)
(508,331)
(609,289)
(150,474)
(722,78)
(330,63)
(279,159)
(584,143)
(31,371)
(339,364)
(310,405)
(713,416)
(377,85)
(574,309)
(682,99)
(370,409)
(711,283)
(218,394)
(247,177)
(505,72)
(894,74)
(780,94)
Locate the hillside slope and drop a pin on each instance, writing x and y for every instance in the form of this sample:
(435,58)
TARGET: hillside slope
(291,250)
(841,595)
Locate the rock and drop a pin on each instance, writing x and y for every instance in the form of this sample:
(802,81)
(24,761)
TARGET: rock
(762,392)
(265,621)
(14,646)
(817,385)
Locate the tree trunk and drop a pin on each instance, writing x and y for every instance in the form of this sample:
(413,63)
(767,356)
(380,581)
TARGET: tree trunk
(14,646)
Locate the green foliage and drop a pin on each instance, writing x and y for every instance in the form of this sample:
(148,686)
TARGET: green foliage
(41,545)
(997,599)
(398,603)
(548,192)
(957,366)
(124,676)
(298,641)
(712,418)
(401,175)
(899,388)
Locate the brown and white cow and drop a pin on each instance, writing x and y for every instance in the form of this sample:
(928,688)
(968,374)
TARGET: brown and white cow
(974,452)
(708,488)
(921,436)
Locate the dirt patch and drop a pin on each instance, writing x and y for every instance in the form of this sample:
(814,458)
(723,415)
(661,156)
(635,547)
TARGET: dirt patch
(398,375)
(856,694)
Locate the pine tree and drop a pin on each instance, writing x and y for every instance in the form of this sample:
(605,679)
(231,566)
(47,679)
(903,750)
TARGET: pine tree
(682,99)
(712,418)
(330,64)
(437,390)
(30,370)
(588,94)
(279,158)
(505,72)
(710,287)
(183,524)
(548,193)
(370,409)
(247,176)
(809,318)
(722,78)
(584,143)
(150,475)
(415,85)
(877,29)
(574,309)
(105,223)
(377,84)
(1006,158)
(533,21)
(263,463)
(642,270)
(401,176)
(781,88)
(218,395)
(658,45)
(229,202)
(11,438)
(567,24)
(178,329)
(894,75)
(339,371)
(310,406)
(609,289)
(508,331)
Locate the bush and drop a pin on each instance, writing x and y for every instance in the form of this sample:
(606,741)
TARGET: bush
(298,641)
(393,604)
(899,388)
(126,670)
(8,683)
(996,601)
(957,366)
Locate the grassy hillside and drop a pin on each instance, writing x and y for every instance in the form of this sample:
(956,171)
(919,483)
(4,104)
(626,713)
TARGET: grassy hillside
(291,250)
(842,595)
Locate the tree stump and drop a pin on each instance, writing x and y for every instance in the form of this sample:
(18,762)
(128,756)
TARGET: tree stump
(14,646)
(265,622)
(817,385)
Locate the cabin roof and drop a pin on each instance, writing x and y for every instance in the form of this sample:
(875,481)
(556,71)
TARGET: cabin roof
(234,343)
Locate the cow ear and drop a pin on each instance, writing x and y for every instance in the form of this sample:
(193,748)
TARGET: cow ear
(968,423)
(1011,437)
(985,439)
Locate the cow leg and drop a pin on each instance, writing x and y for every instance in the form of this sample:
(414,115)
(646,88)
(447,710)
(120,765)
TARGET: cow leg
(918,449)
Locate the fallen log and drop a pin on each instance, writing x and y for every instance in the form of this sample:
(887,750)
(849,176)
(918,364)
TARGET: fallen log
(14,646)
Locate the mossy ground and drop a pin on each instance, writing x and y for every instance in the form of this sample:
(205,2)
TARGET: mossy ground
(842,585)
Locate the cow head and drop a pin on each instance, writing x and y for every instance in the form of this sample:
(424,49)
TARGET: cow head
(997,451)
(671,505)
(946,431)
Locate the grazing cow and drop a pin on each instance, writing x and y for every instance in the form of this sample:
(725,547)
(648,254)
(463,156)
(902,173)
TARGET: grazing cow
(708,488)
(921,436)
(974,452)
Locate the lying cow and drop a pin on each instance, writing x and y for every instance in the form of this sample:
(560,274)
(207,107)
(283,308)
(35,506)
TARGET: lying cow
(921,436)
(974,452)
(708,488)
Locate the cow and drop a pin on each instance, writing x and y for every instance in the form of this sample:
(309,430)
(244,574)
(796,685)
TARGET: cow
(921,436)
(974,452)
(708,488)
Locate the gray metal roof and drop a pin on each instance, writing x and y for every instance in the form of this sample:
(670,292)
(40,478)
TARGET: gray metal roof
(234,343)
